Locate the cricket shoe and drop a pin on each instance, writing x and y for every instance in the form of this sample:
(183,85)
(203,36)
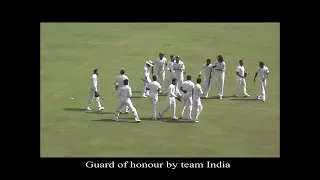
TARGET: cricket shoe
(181,117)
(137,119)
(101,108)
(235,95)
(154,118)
(160,115)
(196,121)
(247,95)
(190,118)
(174,118)
(220,97)
(88,109)
(115,118)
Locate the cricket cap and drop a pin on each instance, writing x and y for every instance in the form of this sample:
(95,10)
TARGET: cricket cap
(149,62)
(161,54)
(172,55)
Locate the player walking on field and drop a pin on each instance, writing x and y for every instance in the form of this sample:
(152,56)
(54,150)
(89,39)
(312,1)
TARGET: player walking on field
(263,74)
(94,91)
(197,105)
(207,68)
(187,89)
(146,76)
(119,83)
(170,73)
(241,80)
(154,88)
(179,68)
(171,100)
(124,94)
(220,69)
(160,64)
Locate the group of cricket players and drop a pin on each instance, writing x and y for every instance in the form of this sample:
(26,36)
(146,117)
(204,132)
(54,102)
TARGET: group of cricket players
(167,78)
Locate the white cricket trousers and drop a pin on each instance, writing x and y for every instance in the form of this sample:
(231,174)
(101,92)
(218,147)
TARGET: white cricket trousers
(161,75)
(187,100)
(197,105)
(241,83)
(91,98)
(206,86)
(171,102)
(126,107)
(179,81)
(154,99)
(145,92)
(220,83)
(126,102)
(262,86)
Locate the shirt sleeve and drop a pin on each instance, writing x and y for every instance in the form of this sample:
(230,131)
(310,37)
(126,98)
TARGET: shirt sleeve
(130,92)
(267,70)
(224,66)
(238,69)
(183,67)
(145,72)
(200,90)
(115,81)
(201,69)
(171,90)
(95,83)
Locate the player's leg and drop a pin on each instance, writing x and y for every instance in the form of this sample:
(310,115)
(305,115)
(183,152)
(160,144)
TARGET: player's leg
(173,108)
(184,104)
(118,109)
(205,87)
(99,104)
(260,90)
(244,88)
(190,104)
(263,90)
(195,106)
(218,84)
(166,108)
(238,84)
(91,96)
(198,111)
(222,85)
(154,107)
(143,91)
(128,102)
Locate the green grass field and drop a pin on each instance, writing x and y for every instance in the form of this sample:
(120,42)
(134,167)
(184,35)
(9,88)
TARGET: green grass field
(228,128)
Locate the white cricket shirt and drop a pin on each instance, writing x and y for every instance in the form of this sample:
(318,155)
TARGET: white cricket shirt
(119,79)
(262,72)
(94,82)
(188,86)
(160,64)
(154,86)
(125,92)
(220,65)
(178,67)
(240,70)
(171,91)
(207,69)
(197,91)
(146,73)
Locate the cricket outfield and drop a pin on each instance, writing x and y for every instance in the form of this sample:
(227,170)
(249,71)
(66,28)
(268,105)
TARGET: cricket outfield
(231,127)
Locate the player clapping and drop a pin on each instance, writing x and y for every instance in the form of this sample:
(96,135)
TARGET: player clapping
(119,83)
(207,68)
(187,89)
(241,79)
(263,73)
(146,76)
(154,87)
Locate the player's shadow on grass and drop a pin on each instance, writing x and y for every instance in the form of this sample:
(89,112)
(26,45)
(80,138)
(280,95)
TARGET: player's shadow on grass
(177,121)
(216,97)
(136,97)
(83,110)
(121,120)
(244,99)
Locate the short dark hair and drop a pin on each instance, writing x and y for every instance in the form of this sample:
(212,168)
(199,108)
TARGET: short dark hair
(126,82)
(198,80)
(208,60)
(261,63)
(95,71)
(122,71)
(154,77)
(240,61)
(189,77)
(220,56)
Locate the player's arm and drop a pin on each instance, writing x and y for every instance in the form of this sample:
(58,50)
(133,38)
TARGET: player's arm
(145,73)
(201,90)
(171,90)
(201,69)
(183,68)
(224,67)
(159,88)
(238,73)
(267,74)
(147,87)
(254,79)
(119,93)
(95,84)
(130,92)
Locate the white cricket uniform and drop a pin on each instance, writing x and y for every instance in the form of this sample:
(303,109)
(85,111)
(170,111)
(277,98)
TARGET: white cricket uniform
(178,68)
(170,76)
(171,102)
(119,82)
(93,88)
(160,65)
(220,70)
(146,76)
(154,86)
(187,97)
(240,81)
(207,78)
(262,75)
(124,94)
(197,105)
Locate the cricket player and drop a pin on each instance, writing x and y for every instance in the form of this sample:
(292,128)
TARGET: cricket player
(263,73)
(179,68)
(170,73)
(93,89)
(207,68)
(241,80)
(119,83)
(197,105)
(124,94)
(187,89)
(160,64)
(171,100)
(154,88)
(146,76)
(220,69)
